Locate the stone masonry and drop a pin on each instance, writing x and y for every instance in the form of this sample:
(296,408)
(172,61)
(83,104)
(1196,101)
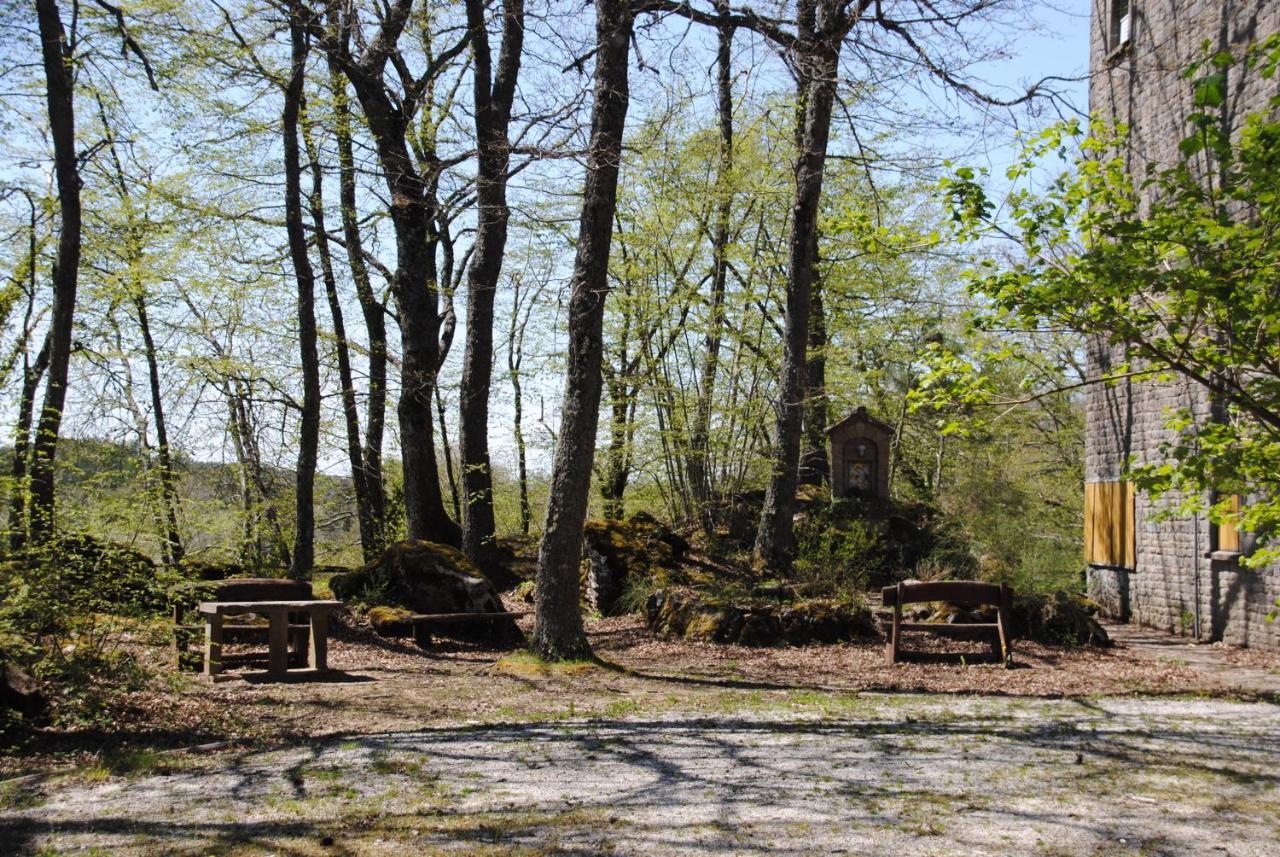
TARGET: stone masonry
(1180,581)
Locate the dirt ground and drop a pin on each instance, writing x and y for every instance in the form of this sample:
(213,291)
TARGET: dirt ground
(670,747)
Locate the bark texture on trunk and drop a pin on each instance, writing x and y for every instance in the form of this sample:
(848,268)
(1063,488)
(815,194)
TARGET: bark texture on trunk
(309,439)
(815,468)
(558,631)
(56,56)
(816,60)
(173,551)
(493,95)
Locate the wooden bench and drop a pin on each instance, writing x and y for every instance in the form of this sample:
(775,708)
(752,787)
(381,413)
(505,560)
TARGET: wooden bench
(214,614)
(962,593)
(501,626)
(189,628)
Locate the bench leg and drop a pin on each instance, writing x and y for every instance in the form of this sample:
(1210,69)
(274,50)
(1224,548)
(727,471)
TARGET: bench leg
(278,642)
(319,640)
(213,644)
(895,633)
(299,645)
(422,635)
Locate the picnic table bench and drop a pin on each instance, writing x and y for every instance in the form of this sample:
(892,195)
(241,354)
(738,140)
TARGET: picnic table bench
(189,627)
(215,613)
(967,593)
(500,624)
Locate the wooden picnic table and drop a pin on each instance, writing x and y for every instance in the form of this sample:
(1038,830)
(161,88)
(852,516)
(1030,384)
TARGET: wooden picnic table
(277,613)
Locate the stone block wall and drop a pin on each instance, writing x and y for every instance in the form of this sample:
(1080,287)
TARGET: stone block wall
(1174,580)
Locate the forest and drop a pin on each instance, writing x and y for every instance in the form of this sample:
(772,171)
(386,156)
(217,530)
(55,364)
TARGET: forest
(287,284)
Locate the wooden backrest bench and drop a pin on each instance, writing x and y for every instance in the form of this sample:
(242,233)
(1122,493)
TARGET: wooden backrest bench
(965,593)
(501,626)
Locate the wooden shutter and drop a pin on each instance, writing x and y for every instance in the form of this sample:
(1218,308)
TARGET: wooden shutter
(1229,531)
(1109,537)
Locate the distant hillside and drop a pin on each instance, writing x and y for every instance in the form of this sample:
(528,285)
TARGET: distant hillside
(104,489)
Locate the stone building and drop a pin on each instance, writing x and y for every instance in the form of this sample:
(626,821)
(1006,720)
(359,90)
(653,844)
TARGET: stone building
(1179,574)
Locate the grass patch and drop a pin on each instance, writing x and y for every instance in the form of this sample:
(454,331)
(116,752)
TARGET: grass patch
(527,664)
(15,797)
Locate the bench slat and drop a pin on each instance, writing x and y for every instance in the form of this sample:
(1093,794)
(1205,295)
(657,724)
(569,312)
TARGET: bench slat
(461,617)
(953,591)
(227,608)
(967,631)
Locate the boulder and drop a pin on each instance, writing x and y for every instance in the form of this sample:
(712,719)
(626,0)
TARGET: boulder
(618,552)
(422,577)
(686,615)
(19,691)
(1063,618)
(96,575)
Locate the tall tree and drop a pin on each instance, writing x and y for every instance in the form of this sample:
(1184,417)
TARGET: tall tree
(373,512)
(557,630)
(389,112)
(821,26)
(493,94)
(309,441)
(58,55)
(697,461)
(342,348)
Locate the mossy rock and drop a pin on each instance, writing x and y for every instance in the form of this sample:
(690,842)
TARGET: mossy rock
(684,614)
(390,621)
(1062,619)
(422,577)
(89,574)
(617,552)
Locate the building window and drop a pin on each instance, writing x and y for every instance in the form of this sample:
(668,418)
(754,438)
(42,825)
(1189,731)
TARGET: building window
(1109,537)
(1121,25)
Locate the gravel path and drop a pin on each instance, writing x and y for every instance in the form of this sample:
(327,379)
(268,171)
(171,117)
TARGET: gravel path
(879,774)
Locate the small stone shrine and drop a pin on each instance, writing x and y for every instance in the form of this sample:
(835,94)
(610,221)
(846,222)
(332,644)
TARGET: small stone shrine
(860,456)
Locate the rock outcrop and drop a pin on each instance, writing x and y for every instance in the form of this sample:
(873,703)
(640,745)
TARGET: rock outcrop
(422,577)
(617,552)
(686,615)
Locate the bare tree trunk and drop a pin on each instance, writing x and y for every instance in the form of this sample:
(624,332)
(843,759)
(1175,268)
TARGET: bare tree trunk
(696,466)
(415,283)
(374,513)
(369,545)
(515,358)
(558,631)
(246,435)
(816,60)
(448,456)
(492,118)
(522,471)
(171,540)
(168,478)
(309,440)
(31,375)
(56,54)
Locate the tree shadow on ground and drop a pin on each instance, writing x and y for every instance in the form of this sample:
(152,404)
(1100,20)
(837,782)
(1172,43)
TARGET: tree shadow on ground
(699,785)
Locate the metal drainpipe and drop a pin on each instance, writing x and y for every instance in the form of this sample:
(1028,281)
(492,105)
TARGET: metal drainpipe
(1195,565)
